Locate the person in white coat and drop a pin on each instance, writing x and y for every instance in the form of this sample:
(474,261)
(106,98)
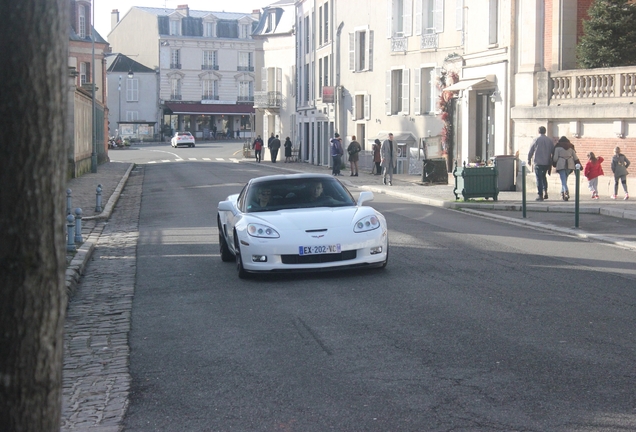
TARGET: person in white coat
(388,162)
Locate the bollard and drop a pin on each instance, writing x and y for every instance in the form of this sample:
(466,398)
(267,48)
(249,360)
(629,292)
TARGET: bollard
(577,174)
(98,199)
(68,201)
(70,225)
(523,188)
(78,225)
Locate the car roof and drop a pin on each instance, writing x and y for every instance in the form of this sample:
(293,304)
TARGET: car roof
(277,177)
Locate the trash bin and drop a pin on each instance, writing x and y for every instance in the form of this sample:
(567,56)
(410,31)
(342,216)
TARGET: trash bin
(434,171)
(475,182)
(505,172)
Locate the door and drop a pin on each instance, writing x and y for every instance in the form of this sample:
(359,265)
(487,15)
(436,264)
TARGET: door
(485,133)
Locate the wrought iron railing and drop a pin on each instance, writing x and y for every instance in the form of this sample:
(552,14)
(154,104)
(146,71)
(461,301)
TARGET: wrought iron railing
(265,99)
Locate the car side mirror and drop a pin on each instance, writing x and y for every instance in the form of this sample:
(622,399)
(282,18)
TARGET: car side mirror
(227,206)
(364,197)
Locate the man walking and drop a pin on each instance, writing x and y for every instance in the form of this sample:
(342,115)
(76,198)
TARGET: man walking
(542,149)
(258,146)
(336,154)
(388,156)
(273,148)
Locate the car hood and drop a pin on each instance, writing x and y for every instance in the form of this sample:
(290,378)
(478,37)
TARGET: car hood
(313,219)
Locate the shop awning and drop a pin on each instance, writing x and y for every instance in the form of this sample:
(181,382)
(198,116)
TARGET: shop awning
(484,82)
(203,109)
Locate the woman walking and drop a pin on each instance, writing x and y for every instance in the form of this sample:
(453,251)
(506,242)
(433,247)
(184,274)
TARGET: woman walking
(288,150)
(565,159)
(353,150)
(620,163)
(377,158)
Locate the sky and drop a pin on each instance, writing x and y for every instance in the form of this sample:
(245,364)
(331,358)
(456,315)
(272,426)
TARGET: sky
(103,8)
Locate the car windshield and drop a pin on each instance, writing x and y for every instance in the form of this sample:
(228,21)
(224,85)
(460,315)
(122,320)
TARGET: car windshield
(297,193)
(184,134)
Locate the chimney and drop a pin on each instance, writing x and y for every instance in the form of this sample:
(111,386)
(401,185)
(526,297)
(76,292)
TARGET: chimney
(114,18)
(185,9)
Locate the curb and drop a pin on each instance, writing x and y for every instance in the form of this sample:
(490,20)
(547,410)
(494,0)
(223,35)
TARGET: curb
(77,265)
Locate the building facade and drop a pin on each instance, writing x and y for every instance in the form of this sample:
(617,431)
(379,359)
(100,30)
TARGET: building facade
(205,64)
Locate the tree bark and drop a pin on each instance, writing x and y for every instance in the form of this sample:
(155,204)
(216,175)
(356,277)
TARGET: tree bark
(33,93)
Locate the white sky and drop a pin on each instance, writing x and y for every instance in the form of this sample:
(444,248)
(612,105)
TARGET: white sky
(103,8)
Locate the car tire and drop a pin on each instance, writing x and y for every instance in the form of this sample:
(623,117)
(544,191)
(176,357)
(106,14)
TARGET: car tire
(224,249)
(242,274)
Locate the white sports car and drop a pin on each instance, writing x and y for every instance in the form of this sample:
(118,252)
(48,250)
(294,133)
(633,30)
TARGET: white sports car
(300,222)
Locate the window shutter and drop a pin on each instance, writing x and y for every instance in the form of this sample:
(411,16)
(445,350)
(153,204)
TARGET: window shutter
(353,108)
(279,80)
(434,89)
(264,79)
(367,107)
(417,79)
(352,51)
(459,15)
(389,17)
(418,17)
(407,19)
(388,93)
(438,16)
(405,91)
(370,50)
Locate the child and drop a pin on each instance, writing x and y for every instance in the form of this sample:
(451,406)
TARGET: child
(593,170)
(619,167)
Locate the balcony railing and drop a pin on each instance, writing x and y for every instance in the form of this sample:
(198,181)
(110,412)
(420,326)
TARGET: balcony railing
(209,97)
(175,97)
(175,65)
(245,68)
(399,44)
(264,99)
(209,67)
(600,84)
(429,41)
(245,99)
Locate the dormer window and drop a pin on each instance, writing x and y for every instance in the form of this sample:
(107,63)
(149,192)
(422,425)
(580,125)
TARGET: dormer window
(81,25)
(209,29)
(175,27)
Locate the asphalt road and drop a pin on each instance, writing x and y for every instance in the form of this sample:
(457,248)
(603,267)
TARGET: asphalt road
(474,325)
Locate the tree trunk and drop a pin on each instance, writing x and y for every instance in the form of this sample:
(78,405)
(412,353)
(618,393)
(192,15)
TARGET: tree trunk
(33,93)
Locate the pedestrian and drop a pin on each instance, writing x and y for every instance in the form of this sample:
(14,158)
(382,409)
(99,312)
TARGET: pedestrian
(565,159)
(376,157)
(238,133)
(273,148)
(354,149)
(388,160)
(258,147)
(593,170)
(620,163)
(213,131)
(542,149)
(336,154)
(288,149)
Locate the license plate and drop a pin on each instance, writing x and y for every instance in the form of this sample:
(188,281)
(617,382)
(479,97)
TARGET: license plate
(314,250)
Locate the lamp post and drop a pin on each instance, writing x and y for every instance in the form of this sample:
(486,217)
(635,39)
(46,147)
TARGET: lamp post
(119,112)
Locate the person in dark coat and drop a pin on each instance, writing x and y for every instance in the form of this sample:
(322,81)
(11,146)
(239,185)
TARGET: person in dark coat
(288,149)
(273,148)
(377,158)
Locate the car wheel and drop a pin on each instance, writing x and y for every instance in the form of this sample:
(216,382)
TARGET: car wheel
(226,255)
(242,274)
(192,145)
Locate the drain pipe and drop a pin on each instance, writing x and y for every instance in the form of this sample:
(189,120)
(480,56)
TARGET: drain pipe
(337,88)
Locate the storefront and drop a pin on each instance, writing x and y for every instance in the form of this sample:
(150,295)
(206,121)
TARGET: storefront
(208,121)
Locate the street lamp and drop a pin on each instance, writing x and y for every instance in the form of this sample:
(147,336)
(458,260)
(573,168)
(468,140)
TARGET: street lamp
(130,74)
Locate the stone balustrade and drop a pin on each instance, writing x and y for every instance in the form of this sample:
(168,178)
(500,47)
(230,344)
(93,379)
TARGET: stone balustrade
(602,85)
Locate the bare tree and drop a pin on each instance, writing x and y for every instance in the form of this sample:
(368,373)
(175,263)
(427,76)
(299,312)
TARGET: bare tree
(33,93)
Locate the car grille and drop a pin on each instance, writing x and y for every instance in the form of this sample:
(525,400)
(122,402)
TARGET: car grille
(317,259)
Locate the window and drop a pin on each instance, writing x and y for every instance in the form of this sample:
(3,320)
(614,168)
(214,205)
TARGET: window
(326,23)
(245,61)
(493,18)
(210,89)
(400,17)
(175,27)
(397,92)
(459,15)
(81,28)
(209,60)
(246,91)
(244,31)
(361,50)
(320,25)
(361,107)
(307,31)
(429,16)
(326,70)
(132,90)
(175,88)
(175,59)
(209,29)
(85,70)
(132,115)
(425,90)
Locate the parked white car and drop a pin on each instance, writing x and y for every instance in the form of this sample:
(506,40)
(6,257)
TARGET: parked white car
(300,222)
(182,138)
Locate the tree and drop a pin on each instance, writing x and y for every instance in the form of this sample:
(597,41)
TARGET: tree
(33,94)
(609,35)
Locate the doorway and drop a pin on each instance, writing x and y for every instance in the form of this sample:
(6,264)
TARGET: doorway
(485,130)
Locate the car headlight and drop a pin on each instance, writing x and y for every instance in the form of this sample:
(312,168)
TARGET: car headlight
(258,230)
(367,223)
